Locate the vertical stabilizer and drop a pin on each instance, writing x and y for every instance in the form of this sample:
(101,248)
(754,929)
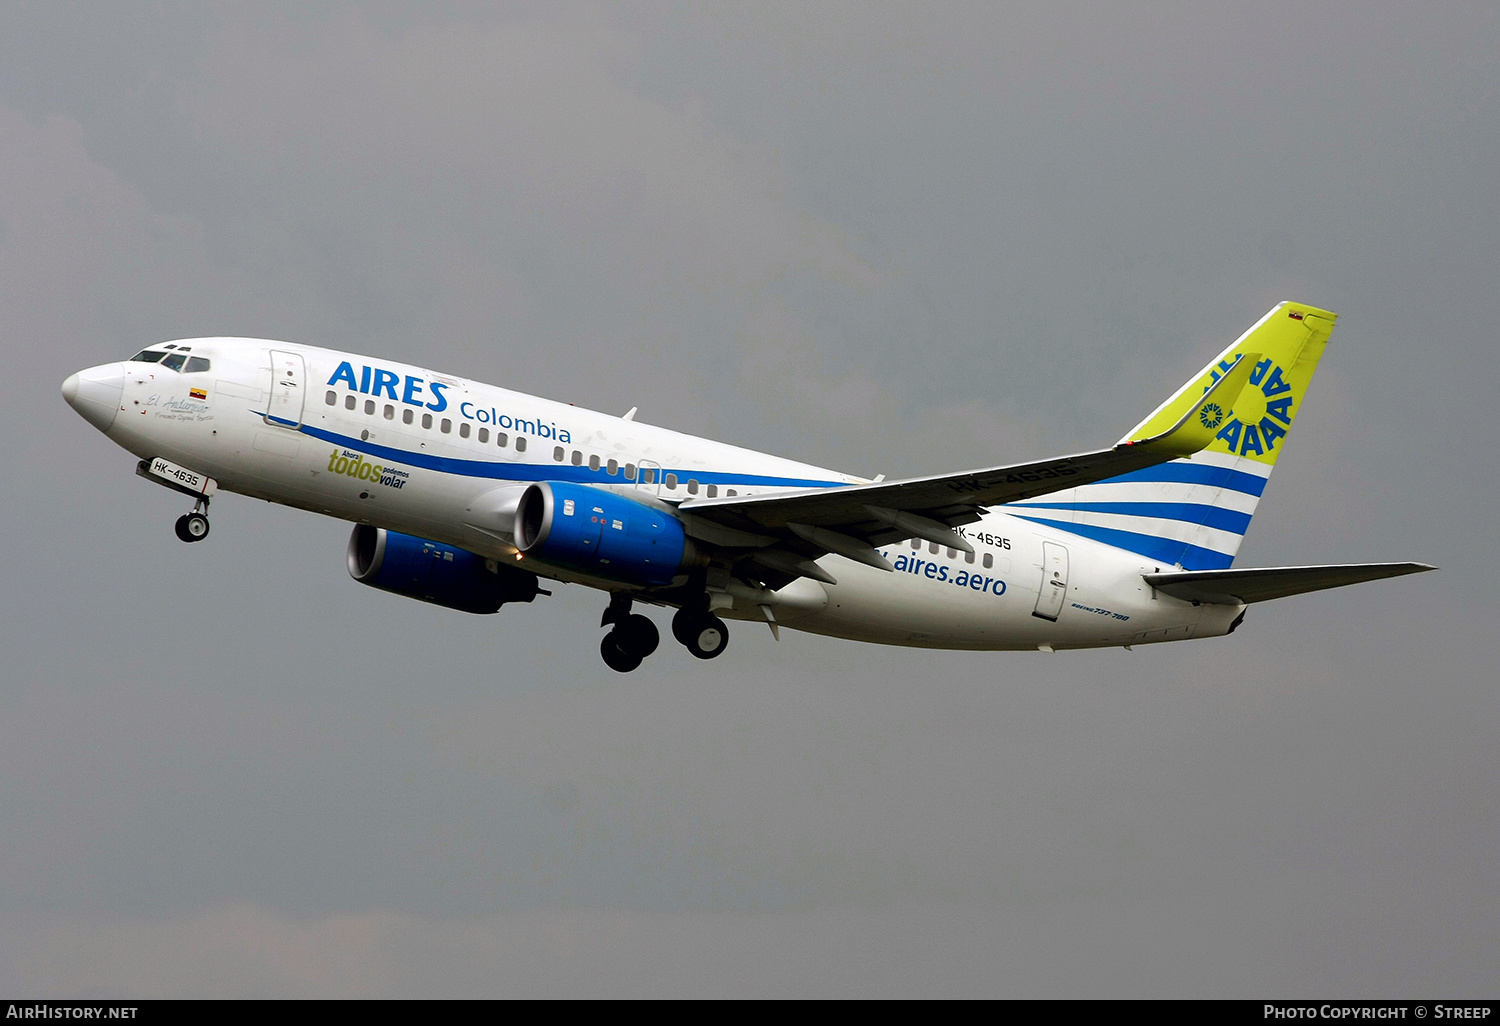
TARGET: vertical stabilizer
(1193,512)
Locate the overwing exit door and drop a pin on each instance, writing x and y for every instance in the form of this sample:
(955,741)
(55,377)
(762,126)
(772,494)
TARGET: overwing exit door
(648,477)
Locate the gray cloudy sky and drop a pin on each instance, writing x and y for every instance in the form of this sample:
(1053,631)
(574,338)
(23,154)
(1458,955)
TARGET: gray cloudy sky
(883,238)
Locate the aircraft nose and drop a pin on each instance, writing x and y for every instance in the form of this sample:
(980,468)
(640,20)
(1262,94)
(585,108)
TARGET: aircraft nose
(95,393)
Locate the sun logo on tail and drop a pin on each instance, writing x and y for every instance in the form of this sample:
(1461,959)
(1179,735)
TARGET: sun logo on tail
(1262,413)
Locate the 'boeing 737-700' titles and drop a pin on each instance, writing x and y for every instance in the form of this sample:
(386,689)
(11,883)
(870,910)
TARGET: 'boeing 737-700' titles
(469,495)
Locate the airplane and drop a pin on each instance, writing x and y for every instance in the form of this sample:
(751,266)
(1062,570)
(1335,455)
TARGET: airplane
(468,496)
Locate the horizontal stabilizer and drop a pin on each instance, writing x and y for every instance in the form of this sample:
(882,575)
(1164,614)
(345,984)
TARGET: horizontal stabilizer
(1258,584)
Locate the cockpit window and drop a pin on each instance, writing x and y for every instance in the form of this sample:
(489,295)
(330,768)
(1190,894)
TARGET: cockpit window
(147,356)
(196,364)
(174,361)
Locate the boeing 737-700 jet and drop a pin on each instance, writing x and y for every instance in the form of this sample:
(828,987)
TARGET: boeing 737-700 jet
(467,495)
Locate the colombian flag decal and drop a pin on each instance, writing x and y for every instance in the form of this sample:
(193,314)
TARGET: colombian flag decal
(197,393)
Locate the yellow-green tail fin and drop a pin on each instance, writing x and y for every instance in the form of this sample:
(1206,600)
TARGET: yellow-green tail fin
(1193,512)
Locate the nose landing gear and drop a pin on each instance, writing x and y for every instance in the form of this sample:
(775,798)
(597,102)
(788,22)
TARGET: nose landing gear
(633,639)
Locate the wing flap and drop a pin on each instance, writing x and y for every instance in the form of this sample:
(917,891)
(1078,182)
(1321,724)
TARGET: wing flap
(1260,584)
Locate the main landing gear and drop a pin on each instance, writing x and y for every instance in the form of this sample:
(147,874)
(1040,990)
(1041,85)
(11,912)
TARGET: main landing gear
(701,632)
(193,526)
(634,637)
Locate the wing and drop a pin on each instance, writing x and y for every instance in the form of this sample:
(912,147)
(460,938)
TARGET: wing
(781,533)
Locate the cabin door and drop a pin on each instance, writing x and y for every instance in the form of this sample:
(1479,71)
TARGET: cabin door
(288,389)
(1049,600)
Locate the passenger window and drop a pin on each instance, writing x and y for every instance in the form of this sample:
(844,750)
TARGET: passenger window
(332,398)
(612,468)
(932,548)
(406,416)
(968,557)
(577,458)
(671,481)
(731,492)
(502,439)
(713,491)
(463,430)
(692,486)
(593,462)
(427,420)
(952,553)
(916,544)
(558,453)
(484,434)
(349,402)
(147,356)
(630,471)
(389,411)
(989,560)
(520,443)
(196,365)
(174,361)
(369,407)
(446,426)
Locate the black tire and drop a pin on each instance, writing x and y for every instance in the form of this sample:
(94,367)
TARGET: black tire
(617,657)
(194,527)
(639,635)
(708,636)
(682,624)
(181,529)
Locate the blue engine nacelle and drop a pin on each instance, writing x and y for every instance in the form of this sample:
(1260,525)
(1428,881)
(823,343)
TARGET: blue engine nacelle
(599,532)
(436,573)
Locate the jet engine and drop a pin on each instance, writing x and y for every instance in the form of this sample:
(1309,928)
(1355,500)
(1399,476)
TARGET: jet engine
(436,573)
(599,532)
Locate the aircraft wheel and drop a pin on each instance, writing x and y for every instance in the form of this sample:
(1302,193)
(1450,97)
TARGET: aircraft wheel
(682,624)
(192,527)
(639,635)
(617,657)
(707,635)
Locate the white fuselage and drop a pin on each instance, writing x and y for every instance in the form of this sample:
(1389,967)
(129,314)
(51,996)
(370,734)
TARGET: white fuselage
(411,450)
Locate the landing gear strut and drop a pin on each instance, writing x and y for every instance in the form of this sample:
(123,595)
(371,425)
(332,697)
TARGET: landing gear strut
(193,526)
(700,632)
(633,639)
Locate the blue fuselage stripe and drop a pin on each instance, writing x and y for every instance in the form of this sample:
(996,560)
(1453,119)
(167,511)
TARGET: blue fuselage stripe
(505,471)
(1195,473)
(1190,557)
(1231,520)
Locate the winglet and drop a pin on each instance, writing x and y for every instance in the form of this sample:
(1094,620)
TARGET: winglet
(1197,427)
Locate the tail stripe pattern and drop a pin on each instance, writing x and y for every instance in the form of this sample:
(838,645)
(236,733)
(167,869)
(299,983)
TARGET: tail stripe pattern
(1220,519)
(1191,512)
(1168,551)
(1194,473)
